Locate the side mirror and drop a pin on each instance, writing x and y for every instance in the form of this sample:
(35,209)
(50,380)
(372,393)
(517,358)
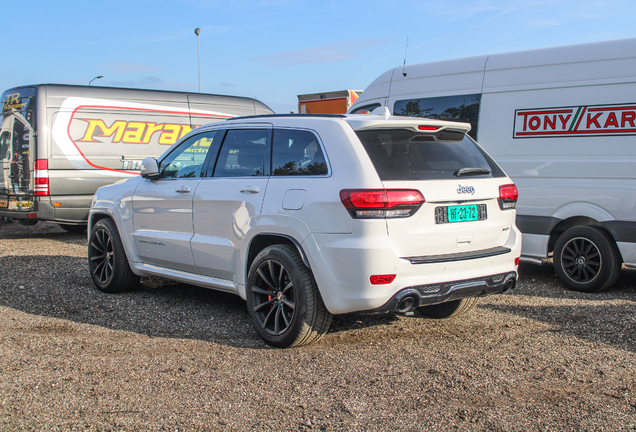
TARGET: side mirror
(150,168)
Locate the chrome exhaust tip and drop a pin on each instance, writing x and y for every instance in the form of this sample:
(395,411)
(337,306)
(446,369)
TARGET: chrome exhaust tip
(406,304)
(509,285)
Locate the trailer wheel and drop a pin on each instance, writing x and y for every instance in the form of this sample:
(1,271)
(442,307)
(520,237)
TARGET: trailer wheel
(586,259)
(107,261)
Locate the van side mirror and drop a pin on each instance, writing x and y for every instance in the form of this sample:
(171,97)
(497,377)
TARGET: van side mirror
(150,168)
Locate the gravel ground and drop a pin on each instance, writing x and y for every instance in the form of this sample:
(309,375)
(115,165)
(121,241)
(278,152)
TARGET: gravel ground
(176,357)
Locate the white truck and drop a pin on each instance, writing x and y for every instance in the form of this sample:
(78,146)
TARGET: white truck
(60,143)
(562,123)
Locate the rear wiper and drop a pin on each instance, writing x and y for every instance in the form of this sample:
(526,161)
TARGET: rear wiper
(470,171)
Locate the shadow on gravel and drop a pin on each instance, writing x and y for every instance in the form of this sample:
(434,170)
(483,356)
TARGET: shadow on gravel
(535,280)
(60,287)
(605,324)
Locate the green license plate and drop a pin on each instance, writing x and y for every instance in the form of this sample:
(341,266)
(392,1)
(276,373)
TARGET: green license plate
(463,213)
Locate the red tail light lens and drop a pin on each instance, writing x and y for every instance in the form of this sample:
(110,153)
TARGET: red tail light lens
(41,177)
(382,279)
(381,203)
(508,196)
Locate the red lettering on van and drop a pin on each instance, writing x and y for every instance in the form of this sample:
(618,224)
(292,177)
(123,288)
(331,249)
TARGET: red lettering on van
(593,120)
(575,121)
(628,117)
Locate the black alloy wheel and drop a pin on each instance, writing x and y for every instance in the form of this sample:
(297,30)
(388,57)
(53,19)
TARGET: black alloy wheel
(586,259)
(274,297)
(107,261)
(581,260)
(283,299)
(101,258)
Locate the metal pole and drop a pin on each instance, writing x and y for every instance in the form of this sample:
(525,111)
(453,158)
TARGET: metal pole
(197,31)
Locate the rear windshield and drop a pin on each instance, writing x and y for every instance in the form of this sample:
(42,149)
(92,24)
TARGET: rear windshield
(400,154)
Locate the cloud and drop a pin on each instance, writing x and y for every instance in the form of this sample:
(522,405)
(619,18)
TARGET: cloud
(128,67)
(227,84)
(327,53)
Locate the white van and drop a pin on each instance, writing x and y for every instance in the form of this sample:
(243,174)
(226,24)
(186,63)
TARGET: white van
(562,124)
(60,143)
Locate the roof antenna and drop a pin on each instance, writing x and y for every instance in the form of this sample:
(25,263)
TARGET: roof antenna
(405,50)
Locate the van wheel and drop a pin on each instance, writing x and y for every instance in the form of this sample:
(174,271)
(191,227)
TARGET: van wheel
(107,261)
(283,300)
(586,259)
(448,309)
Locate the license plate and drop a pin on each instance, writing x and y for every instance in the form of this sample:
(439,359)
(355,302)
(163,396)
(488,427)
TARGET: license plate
(460,213)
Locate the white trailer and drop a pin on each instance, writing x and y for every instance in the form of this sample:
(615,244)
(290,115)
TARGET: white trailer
(562,123)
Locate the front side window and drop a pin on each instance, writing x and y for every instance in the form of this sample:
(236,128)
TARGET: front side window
(400,154)
(243,153)
(463,108)
(297,153)
(187,160)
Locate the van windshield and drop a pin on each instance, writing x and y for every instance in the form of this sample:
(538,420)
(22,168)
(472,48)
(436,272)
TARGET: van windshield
(400,154)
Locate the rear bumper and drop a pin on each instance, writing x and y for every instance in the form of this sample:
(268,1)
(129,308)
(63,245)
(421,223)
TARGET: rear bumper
(424,295)
(343,264)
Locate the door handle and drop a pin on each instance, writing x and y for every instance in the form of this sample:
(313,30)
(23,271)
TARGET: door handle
(250,189)
(182,189)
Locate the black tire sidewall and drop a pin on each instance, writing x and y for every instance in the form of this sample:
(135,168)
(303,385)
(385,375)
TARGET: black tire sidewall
(610,259)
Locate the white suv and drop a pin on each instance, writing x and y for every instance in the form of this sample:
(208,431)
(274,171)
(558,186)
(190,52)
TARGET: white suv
(305,216)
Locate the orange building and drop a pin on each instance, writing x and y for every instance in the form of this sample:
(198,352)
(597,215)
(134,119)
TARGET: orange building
(335,102)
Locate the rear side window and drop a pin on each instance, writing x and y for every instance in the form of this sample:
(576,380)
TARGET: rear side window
(400,154)
(242,153)
(297,152)
(462,108)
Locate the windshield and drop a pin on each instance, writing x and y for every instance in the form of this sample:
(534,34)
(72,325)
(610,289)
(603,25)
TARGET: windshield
(16,135)
(400,154)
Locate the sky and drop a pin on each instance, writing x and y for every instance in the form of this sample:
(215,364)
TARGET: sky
(275,50)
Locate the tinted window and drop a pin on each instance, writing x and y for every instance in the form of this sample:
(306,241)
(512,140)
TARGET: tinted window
(186,161)
(399,154)
(464,108)
(242,153)
(297,153)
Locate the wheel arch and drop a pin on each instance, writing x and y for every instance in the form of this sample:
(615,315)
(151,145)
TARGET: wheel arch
(263,240)
(575,221)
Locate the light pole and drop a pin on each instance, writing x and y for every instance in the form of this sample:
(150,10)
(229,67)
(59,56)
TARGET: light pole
(99,77)
(197,31)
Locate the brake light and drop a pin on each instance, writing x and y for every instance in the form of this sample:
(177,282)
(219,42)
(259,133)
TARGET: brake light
(381,203)
(41,177)
(508,196)
(427,128)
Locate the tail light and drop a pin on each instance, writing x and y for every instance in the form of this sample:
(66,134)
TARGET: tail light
(381,203)
(508,196)
(41,177)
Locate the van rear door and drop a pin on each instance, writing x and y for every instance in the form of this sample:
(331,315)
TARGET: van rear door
(17,148)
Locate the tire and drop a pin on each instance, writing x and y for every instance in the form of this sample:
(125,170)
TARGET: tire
(283,300)
(74,229)
(107,261)
(448,309)
(586,259)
